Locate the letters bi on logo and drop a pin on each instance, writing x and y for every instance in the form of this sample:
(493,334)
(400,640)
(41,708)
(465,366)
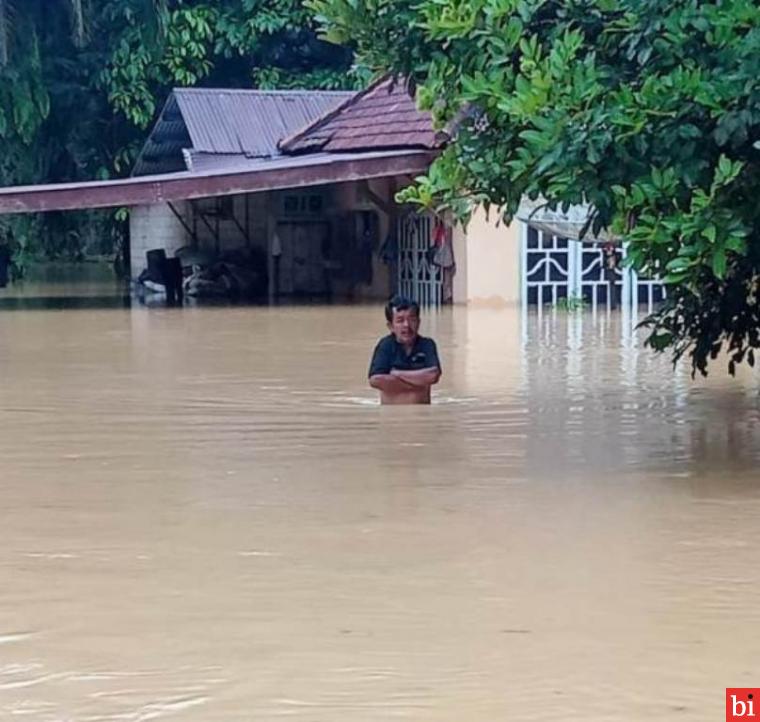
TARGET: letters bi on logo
(742,703)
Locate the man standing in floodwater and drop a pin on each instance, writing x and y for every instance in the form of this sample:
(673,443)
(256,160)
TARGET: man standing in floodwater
(404,365)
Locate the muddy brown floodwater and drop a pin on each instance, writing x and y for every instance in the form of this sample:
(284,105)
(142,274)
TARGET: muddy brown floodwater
(206,516)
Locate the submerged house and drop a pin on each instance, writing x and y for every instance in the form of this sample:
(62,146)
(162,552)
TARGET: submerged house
(291,193)
(335,229)
(319,235)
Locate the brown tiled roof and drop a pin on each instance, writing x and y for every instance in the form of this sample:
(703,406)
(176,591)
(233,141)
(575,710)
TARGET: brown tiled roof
(384,116)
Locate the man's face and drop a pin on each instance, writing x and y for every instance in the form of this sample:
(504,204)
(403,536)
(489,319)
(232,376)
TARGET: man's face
(405,325)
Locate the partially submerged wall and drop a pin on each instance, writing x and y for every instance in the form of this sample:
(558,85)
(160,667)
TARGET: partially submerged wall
(154,226)
(487,253)
(488,261)
(333,219)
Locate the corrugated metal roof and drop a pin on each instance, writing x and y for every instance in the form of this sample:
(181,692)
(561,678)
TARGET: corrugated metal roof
(250,122)
(243,122)
(219,164)
(384,116)
(203,162)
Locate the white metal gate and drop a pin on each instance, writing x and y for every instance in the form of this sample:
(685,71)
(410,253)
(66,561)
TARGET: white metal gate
(418,277)
(555,268)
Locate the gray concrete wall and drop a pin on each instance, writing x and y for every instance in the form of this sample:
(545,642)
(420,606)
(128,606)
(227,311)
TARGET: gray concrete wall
(154,226)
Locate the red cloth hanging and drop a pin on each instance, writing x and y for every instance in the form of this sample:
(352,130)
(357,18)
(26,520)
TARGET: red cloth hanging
(439,234)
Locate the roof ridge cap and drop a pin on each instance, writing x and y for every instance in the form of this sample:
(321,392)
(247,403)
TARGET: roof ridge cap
(259,91)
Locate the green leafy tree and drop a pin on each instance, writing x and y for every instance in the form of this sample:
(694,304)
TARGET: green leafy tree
(647,111)
(243,43)
(55,120)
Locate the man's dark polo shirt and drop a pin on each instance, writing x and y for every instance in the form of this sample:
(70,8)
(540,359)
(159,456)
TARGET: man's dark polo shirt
(389,354)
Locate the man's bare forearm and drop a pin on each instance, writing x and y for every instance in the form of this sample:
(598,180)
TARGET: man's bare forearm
(418,377)
(390,383)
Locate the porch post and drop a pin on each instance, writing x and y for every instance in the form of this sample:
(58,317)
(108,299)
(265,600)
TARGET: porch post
(523,264)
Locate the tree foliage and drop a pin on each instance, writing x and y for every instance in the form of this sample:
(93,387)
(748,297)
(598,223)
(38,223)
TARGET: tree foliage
(218,42)
(647,111)
(81,83)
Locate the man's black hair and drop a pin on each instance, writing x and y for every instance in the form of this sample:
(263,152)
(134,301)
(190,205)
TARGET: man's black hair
(400,303)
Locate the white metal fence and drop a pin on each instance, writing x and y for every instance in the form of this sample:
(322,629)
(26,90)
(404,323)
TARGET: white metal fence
(418,277)
(555,268)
